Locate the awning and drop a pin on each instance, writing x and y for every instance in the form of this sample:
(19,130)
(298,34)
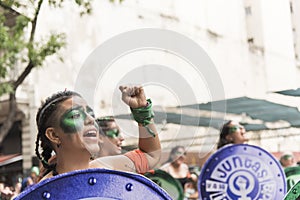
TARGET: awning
(266,111)
(10,158)
(294,93)
(257,109)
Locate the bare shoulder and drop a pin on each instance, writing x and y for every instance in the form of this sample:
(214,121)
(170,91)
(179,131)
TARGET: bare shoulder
(120,162)
(100,163)
(185,166)
(165,167)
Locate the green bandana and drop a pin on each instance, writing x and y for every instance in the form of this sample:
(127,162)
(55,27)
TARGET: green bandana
(144,115)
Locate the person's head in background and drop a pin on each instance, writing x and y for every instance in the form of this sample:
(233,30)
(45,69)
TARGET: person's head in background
(232,133)
(190,189)
(177,155)
(287,160)
(34,173)
(110,137)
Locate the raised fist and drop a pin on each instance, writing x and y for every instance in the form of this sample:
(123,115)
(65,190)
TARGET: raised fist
(133,96)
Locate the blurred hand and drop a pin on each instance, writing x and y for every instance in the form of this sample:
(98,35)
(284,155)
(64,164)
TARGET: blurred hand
(133,96)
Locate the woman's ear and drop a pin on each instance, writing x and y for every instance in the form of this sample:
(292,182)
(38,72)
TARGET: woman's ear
(52,136)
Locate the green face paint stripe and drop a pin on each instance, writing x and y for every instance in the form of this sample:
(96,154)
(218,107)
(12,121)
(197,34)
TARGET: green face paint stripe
(112,133)
(233,129)
(72,120)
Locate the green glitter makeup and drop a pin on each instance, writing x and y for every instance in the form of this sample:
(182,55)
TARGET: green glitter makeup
(113,133)
(233,129)
(179,153)
(73,119)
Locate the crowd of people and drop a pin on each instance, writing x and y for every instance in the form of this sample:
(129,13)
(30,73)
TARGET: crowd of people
(70,137)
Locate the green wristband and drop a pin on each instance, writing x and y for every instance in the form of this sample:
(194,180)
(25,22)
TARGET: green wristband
(144,115)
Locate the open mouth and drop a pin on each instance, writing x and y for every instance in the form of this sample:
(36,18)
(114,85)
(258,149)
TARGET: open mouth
(119,146)
(90,133)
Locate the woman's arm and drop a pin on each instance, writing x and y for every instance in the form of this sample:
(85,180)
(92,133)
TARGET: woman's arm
(149,144)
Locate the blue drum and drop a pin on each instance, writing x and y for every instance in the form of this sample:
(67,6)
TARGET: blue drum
(242,172)
(94,184)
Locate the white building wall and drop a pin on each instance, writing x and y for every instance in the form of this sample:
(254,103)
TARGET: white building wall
(278,44)
(217,26)
(295,12)
(220,27)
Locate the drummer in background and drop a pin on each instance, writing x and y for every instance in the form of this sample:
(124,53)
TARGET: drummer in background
(110,137)
(178,169)
(287,159)
(232,133)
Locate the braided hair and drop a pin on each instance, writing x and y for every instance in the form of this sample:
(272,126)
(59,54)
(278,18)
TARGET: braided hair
(45,119)
(223,133)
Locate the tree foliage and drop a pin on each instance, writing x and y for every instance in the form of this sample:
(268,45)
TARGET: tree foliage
(20,50)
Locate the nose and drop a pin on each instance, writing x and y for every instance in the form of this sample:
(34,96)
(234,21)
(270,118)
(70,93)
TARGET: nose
(89,119)
(243,130)
(121,136)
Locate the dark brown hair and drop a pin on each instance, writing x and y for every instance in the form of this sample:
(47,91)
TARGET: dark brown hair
(45,119)
(225,130)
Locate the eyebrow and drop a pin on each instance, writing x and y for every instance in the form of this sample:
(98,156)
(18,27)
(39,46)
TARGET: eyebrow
(73,108)
(88,108)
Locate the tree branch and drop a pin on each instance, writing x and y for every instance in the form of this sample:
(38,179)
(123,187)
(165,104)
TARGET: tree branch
(30,65)
(34,21)
(22,77)
(10,9)
(10,119)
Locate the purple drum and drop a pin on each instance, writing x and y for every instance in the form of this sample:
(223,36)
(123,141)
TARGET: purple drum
(242,172)
(93,184)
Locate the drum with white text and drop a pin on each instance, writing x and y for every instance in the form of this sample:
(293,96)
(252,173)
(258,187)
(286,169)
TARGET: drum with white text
(242,172)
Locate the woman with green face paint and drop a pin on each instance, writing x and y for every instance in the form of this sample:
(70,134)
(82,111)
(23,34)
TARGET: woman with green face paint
(232,133)
(110,137)
(67,128)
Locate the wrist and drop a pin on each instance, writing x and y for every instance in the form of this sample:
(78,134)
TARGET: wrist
(144,115)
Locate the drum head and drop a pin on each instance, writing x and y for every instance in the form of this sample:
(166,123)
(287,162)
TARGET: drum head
(292,176)
(167,182)
(242,172)
(294,192)
(94,184)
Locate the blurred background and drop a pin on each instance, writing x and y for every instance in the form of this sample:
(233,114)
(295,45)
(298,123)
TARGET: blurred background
(254,45)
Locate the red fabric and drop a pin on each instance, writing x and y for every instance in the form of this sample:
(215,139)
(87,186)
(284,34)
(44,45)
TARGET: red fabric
(139,159)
